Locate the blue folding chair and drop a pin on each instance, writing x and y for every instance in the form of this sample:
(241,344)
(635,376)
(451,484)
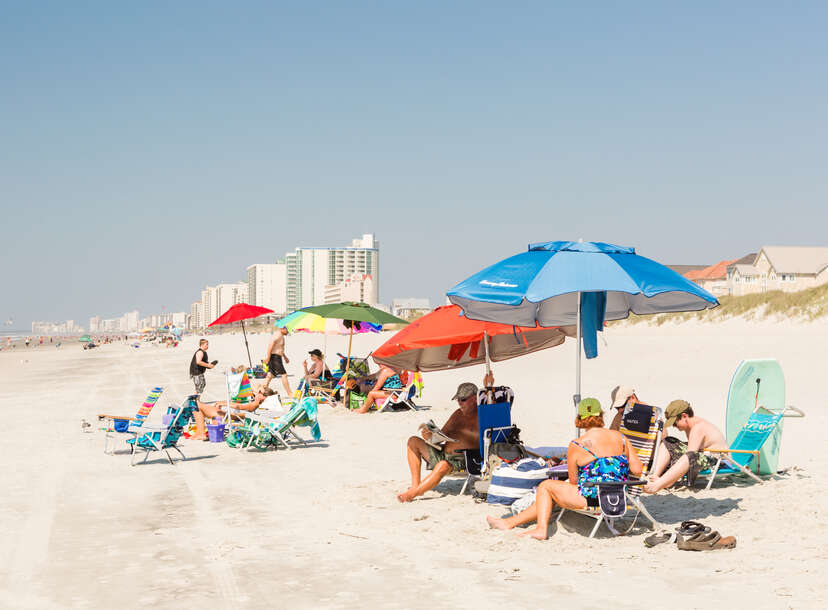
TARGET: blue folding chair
(493,425)
(164,438)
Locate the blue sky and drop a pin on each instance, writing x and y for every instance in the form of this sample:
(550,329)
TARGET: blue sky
(148,149)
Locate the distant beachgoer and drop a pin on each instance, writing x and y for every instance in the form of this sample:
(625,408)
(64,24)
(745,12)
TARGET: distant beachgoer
(28,340)
(597,455)
(317,369)
(276,359)
(377,392)
(684,457)
(199,364)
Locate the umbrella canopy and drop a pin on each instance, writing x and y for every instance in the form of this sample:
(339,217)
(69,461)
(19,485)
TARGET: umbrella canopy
(446,339)
(85,338)
(353,312)
(239,313)
(583,283)
(302,321)
(359,312)
(541,286)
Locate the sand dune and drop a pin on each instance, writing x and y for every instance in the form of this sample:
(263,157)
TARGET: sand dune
(320,526)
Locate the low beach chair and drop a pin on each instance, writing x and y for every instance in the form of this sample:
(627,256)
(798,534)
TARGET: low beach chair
(745,448)
(642,426)
(263,431)
(239,392)
(166,437)
(116,424)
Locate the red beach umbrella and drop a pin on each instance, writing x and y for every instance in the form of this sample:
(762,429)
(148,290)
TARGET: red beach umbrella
(446,339)
(239,313)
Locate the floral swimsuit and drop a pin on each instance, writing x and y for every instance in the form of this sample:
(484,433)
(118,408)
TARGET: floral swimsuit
(602,469)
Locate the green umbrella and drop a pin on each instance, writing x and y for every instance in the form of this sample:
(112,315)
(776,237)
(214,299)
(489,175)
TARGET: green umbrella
(353,312)
(85,339)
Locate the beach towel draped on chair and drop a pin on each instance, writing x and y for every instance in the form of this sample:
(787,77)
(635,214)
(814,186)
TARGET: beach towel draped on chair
(134,424)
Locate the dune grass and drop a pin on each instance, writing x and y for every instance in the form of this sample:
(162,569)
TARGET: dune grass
(809,304)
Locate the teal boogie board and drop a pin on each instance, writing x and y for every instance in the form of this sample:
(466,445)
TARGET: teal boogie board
(741,399)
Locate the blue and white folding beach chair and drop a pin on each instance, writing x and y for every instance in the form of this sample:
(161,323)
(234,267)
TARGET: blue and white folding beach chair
(494,421)
(745,448)
(262,431)
(163,438)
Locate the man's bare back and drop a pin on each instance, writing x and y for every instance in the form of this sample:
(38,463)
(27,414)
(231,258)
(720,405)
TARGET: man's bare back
(704,435)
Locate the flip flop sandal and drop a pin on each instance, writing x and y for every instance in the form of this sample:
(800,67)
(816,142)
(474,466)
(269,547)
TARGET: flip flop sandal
(728,542)
(658,538)
(699,542)
(690,528)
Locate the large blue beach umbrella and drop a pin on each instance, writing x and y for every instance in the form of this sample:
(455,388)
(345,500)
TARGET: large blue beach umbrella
(560,283)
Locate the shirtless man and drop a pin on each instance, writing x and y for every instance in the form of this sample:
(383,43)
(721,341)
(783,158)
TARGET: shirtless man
(276,359)
(461,426)
(683,457)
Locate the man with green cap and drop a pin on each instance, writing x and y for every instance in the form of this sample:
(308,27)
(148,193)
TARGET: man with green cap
(684,457)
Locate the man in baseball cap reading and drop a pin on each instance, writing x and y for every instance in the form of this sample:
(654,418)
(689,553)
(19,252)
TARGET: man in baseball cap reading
(684,457)
(444,458)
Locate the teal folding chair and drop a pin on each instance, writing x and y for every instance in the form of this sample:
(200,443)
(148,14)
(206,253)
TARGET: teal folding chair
(152,438)
(743,453)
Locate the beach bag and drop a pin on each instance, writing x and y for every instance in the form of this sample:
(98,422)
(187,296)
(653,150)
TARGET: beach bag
(355,401)
(612,499)
(513,481)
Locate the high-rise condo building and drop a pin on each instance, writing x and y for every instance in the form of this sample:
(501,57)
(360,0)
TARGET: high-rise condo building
(310,270)
(267,286)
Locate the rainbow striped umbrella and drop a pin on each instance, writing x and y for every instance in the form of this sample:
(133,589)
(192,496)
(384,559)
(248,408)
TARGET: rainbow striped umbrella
(303,321)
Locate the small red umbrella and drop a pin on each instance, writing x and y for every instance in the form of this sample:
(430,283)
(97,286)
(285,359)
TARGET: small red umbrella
(239,313)
(446,339)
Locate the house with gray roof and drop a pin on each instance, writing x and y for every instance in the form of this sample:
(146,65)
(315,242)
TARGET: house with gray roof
(787,268)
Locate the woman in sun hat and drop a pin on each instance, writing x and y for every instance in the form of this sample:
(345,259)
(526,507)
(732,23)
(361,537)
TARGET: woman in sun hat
(598,454)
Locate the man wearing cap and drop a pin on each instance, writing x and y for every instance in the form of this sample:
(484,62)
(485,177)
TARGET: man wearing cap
(462,427)
(684,457)
(621,396)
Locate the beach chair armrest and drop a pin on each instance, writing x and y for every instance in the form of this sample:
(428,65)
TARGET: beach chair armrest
(107,416)
(626,483)
(753,451)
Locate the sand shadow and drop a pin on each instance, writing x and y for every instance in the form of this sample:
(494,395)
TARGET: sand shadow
(669,509)
(176,460)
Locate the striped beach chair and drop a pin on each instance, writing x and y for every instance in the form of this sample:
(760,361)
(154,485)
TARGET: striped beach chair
(119,424)
(642,425)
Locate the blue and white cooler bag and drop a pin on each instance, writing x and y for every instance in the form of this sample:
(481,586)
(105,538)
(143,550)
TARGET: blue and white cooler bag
(513,481)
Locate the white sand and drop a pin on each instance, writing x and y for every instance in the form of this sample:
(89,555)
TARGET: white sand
(321,526)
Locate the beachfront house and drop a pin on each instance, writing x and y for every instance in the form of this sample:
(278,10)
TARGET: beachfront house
(786,268)
(712,278)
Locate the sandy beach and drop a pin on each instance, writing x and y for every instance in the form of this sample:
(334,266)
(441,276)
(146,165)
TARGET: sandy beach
(321,527)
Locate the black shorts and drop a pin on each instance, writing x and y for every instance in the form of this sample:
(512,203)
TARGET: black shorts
(275,366)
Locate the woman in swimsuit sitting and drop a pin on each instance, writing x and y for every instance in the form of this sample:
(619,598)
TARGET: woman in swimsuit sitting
(598,455)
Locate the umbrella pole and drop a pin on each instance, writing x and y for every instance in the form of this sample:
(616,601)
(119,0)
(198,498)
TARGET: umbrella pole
(488,359)
(345,393)
(246,345)
(577,397)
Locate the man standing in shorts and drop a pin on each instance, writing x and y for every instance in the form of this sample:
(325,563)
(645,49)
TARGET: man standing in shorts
(684,457)
(199,364)
(276,359)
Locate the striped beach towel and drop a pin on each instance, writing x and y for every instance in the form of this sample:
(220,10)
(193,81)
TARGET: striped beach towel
(510,482)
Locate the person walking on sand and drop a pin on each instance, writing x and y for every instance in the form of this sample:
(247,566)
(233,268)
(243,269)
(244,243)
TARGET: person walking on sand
(199,364)
(276,359)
